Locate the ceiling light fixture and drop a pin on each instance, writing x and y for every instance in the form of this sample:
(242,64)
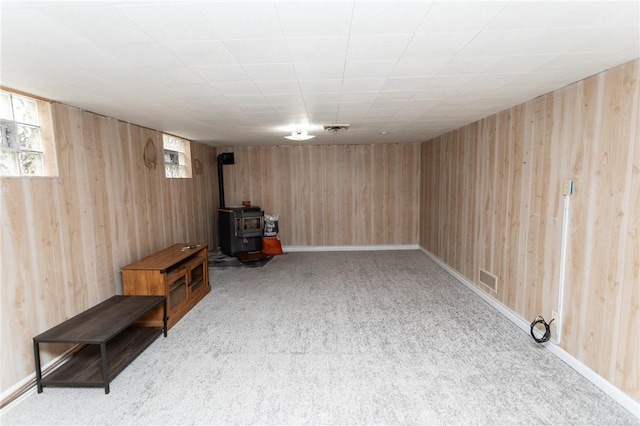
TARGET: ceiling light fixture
(300,135)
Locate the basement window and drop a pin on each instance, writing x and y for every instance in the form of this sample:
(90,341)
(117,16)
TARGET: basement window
(27,143)
(177,157)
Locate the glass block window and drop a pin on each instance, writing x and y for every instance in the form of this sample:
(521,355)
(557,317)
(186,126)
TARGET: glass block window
(26,132)
(177,157)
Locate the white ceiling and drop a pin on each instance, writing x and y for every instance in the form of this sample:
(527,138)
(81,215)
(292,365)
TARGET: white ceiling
(248,73)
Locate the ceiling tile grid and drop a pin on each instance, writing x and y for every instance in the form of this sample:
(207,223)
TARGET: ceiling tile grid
(250,72)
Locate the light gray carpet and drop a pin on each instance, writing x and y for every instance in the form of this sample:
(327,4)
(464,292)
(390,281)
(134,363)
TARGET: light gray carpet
(336,338)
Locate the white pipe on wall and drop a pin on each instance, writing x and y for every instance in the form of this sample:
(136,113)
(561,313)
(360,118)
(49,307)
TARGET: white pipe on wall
(567,191)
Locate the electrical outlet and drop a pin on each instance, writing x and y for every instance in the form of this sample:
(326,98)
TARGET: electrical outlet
(554,318)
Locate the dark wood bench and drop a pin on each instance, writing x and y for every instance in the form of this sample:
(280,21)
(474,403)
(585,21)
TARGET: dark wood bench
(109,337)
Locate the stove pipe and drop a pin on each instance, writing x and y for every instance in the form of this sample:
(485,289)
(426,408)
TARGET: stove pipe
(224,158)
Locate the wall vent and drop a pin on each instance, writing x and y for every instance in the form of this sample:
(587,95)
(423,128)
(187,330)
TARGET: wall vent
(489,280)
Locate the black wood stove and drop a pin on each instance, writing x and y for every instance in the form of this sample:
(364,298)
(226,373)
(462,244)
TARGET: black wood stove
(239,228)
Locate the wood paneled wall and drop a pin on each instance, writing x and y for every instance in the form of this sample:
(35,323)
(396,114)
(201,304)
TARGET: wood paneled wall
(64,239)
(491,198)
(331,195)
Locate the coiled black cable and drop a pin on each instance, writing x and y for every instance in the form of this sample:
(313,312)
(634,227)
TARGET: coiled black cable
(547,330)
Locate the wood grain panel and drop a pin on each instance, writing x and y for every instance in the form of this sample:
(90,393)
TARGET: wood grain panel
(64,239)
(331,195)
(507,216)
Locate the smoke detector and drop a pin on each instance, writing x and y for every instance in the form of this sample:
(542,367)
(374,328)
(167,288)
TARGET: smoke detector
(335,128)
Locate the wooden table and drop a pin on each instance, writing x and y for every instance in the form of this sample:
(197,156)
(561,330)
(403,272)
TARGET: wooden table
(110,337)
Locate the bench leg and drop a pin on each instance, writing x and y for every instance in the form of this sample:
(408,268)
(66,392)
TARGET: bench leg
(105,366)
(36,353)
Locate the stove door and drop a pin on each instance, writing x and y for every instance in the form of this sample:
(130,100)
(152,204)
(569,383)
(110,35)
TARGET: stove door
(249,225)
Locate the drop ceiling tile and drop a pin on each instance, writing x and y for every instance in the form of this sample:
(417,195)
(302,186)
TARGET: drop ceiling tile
(278,87)
(421,104)
(474,91)
(22,27)
(554,40)
(169,22)
(377,47)
(285,99)
(521,63)
(96,23)
(86,56)
(445,109)
(357,97)
(492,81)
(434,93)
(237,88)
(406,83)
(173,76)
(158,93)
(259,51)
(363,84)
(318,49)
(319,70)
(128,76)
(354,107)
(386,17)
(320,86)
(315,18)
(321,98)
(56,83)
(395,95)
(211,102)
(258,120)
(142,54)
(469,64)
(221,73)
(449,80)
(191,53)
(208,98)
(392,105)
(243,101)
(499,42)
(440,44)
(242,20)
(377,115)
(270,72)
(599,13)
(350,117)
(235,116)
(404,117)
(627,39)
(324,112)
(460,15)
(525,15)
(419,67)
(550,79)
(369,69)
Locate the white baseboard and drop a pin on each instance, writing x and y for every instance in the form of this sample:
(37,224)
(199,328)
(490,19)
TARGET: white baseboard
(352,248)
(27,386)
(616,394)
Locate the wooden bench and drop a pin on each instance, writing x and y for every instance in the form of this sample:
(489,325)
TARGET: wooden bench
(110,339)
